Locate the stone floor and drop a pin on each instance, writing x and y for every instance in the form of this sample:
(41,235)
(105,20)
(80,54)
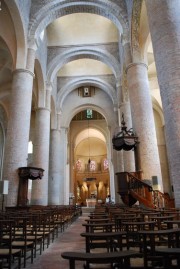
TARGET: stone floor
(69,240)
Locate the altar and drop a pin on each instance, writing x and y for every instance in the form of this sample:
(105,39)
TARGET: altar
(91,202)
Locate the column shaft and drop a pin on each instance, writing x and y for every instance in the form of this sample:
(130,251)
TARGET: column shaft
(164,22)
(16,149)
(143,120)
(129,161)
(39,195)
(54,168)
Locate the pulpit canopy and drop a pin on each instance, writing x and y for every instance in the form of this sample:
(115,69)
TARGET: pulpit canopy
(31,173)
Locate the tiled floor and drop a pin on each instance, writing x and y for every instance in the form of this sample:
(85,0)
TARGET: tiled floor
(69,240)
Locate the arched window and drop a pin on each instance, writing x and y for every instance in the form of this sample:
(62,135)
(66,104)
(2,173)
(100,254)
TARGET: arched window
(92,165)
(78,165)
(105,164)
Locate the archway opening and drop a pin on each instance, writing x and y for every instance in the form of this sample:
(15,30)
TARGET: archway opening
(91,179)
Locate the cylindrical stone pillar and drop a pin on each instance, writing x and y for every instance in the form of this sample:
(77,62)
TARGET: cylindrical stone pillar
(143,121)
(39,194)
(54,168)
(128,156)
(16,149)
(164,22)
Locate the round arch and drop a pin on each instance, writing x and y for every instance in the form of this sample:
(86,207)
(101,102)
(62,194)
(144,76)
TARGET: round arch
(53,10)
(66,119)
(98,136)
(75,83)
(80,53)
(20,37)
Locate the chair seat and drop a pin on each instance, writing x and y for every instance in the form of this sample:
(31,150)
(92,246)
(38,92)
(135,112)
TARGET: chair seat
(22,243)
(41,233)
(33,237)
(5,251)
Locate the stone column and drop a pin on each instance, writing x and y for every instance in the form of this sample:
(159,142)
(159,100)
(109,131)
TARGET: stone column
(54,168)
(129,161)
(164,23)
(16,149)
(39,194)
(143,120)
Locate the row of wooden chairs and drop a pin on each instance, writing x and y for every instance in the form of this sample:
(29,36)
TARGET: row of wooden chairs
(24,233)
(146,231)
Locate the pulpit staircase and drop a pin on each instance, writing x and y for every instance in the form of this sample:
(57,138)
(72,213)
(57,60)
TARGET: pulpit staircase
(132,189)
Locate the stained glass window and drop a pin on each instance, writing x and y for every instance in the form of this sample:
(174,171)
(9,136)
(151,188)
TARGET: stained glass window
(78,165)
(106,164)
(92,166)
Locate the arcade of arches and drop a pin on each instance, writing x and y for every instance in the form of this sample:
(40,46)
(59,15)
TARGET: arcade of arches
(69,70)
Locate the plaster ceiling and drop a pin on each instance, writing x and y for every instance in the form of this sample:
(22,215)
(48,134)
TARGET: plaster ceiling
(89,133)
(82,29)
(88,29)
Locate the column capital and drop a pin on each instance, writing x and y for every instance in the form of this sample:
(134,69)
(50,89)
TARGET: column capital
(55,130)
(32,43)
(49,85)
(118,84)
(135,64)
(21,70)
(42,108)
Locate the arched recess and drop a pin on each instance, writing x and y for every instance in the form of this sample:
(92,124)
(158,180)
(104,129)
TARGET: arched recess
(53,10)
(77,53)
(89,147)
(107,131)
(15,36)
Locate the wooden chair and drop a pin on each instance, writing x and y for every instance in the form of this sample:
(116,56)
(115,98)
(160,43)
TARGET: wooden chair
(132,229)
(8,255)
(111,241)
(44,229)
(168,256)
(20,241)
(152,240)
(32,235)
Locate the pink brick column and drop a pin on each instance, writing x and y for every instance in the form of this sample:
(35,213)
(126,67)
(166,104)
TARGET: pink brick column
(16,149)
(54,168)
(164,22)
(143,120)
(39,194)
(129,161)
